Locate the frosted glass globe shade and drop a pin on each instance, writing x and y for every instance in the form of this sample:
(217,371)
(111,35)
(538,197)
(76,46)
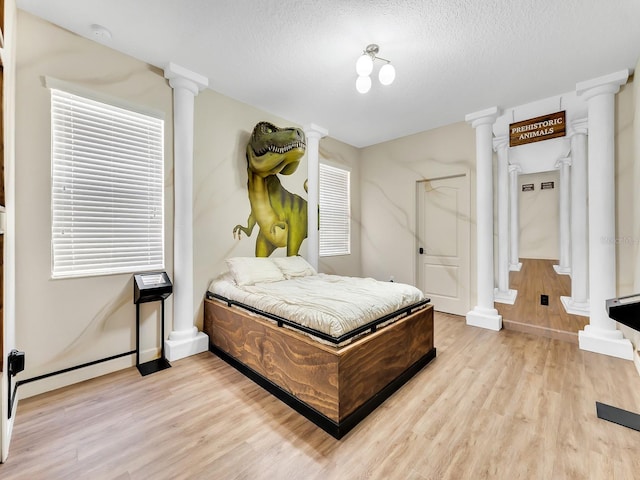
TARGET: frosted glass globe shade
(364,65)
(363,83)
(387,74)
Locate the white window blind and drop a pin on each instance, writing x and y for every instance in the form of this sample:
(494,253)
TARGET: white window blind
(107,188)
(335,211)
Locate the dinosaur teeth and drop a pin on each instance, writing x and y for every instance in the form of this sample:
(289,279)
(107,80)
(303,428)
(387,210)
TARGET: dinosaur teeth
(286,148)
(280,150)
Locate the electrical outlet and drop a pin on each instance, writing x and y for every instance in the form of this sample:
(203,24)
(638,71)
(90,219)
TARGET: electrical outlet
(544,299)
(16,362)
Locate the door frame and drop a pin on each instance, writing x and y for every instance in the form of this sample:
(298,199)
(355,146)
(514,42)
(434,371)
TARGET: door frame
(444,174)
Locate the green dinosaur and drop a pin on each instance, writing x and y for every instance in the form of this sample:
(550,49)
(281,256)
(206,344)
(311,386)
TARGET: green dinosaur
(280,214)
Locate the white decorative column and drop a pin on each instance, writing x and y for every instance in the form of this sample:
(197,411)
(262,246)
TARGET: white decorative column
(601,335)
(184,339)
(313,133)
(578,302)
(514,222)
(484,314)
(564,164)
(502,293)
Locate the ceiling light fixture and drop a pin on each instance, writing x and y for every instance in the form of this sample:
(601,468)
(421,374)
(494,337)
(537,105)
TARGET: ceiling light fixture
(364,67)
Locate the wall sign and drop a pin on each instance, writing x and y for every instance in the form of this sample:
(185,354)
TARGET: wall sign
(537,129)
(528,187)
(546,185)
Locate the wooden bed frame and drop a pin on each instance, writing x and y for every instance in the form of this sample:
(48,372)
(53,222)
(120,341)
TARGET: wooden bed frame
(334,387)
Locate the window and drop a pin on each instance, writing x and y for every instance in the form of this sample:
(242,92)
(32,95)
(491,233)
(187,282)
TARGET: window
(107,188)
(335,211)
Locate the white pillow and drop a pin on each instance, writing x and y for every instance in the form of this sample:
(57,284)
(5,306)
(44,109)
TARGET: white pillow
(252,270)
(294,266)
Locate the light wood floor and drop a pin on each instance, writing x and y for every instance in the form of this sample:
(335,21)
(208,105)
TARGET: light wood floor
(538,277)
(495,405)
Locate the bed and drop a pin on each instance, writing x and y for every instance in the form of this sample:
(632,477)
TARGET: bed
(334,362)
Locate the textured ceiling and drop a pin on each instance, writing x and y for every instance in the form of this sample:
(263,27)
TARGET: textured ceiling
(296,58)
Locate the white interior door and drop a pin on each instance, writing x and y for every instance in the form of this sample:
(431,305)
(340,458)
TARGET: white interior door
(443,242)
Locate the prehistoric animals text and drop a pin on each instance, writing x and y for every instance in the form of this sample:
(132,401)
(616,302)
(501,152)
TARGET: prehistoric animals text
(537,129)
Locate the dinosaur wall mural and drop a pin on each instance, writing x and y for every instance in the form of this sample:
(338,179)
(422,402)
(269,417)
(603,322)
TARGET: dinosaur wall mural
(281,215)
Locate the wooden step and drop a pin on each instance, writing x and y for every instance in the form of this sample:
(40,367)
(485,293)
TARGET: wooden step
(540,330)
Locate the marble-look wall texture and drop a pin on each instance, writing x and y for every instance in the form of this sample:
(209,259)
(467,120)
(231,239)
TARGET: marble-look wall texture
(73,321)
(66,322)
(628,196)
(222,129)
(539,214)
(626,190)
(336,153)
(389,172)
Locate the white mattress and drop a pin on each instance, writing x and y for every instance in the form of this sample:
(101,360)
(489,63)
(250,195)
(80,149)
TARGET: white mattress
(331,304)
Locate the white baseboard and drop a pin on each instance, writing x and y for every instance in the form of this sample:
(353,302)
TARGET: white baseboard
(508,297)
(485,318)
(177,349)
(150,354)
(75,376)
(575,308)
(562,270)
(593,340)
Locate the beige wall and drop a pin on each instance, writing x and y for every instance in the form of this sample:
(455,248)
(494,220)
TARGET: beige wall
(222,128)
(629,199)
(62,323)
(389,172)
(626,189)
(7,319)
(340,154)
(65,322)
(539,216)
